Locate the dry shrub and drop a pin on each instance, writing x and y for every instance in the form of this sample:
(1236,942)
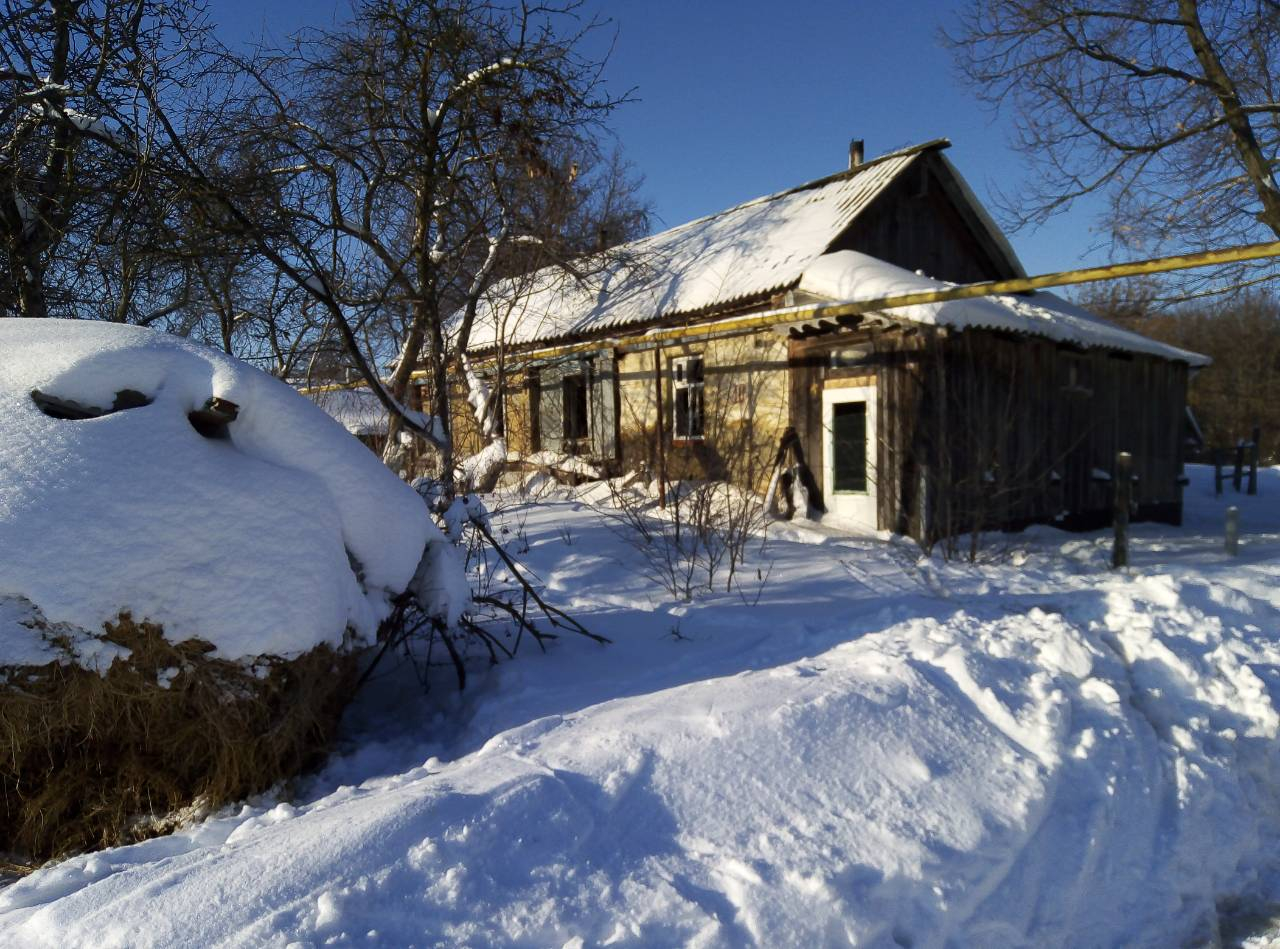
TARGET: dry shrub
(91,760)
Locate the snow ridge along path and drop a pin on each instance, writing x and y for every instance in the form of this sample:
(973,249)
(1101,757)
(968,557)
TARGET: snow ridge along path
(881,751)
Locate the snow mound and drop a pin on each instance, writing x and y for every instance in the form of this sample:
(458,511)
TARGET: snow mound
(271,539)
(964,780)
(877,750)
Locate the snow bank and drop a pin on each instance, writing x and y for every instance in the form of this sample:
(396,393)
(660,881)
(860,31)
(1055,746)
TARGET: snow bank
(850,275)
(481,470)
(559,461)
(271,540)
(876,751)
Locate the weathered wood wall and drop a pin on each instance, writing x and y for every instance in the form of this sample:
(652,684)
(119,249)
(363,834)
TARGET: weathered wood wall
(1000,431)
(921,222)
(517,421)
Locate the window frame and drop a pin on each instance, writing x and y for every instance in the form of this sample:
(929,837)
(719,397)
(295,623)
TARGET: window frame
(862,478)
(691,384)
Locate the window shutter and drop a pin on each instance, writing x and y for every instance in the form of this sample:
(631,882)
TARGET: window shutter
(603,407)
(551,407)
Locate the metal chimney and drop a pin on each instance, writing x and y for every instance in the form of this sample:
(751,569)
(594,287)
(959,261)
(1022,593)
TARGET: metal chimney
(855,153)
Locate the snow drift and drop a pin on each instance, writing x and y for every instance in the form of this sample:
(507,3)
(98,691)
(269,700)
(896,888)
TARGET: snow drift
(879,751)
(272,540)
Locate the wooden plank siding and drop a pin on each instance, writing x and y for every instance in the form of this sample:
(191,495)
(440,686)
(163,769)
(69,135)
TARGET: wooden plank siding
(921,223)
(1002,431)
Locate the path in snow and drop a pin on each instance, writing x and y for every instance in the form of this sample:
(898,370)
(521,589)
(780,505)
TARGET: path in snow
(882,751)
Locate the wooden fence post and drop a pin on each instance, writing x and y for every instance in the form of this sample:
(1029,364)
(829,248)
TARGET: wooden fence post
(1217,472)
(1238,473)
(1123,484)
(1253,460)
(1233,530)
(662,434)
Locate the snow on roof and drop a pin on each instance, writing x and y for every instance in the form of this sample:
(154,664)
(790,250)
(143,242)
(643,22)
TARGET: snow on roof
(756,248)
(850,276)
(357,410)
(248,542)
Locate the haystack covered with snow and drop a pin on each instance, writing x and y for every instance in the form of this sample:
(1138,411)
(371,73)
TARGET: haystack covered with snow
(191,555)
(274,534)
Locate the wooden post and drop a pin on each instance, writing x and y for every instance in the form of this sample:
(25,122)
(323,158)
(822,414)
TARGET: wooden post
(1253,460)
(1123,483)
(1233,530)
(662,435)
(1238,473)
(1217,472)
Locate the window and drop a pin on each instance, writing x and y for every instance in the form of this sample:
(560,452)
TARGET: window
(849,356)
(687,407)
(574,389)
(849,446)
(1078,381)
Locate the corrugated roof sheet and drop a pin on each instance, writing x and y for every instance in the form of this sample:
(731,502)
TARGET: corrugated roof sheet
(850,276)
(744,253)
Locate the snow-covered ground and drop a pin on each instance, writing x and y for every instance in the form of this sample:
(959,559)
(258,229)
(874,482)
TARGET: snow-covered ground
(877,750)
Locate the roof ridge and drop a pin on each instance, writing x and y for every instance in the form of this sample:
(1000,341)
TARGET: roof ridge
(931,145)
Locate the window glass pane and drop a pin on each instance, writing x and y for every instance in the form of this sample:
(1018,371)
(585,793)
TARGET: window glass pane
(695,411)
(575,407)
(849,446)
(681,412)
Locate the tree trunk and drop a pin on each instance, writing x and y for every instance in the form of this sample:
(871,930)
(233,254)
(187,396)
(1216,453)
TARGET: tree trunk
(1224,88)
(31,296)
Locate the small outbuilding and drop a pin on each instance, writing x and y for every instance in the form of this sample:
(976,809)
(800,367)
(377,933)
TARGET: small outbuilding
(703,352)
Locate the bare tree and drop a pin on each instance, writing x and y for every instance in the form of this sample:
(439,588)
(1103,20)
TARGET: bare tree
(82,210)
(354,191)
(1168,108)
(1240,389)
(407,153)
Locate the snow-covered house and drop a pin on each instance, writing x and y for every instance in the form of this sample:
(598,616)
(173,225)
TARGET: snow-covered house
(924,420)
(356,409)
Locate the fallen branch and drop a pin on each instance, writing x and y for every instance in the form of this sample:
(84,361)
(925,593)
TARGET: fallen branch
(548,610)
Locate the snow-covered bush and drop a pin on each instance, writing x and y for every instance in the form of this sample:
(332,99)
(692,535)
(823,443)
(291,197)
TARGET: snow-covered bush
(222,524)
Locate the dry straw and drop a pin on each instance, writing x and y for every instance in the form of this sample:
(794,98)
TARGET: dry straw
(91,760)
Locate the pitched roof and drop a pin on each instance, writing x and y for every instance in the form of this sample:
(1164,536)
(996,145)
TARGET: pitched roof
(357,409)
(739,255)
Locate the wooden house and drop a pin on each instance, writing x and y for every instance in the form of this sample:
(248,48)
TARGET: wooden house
(925,420)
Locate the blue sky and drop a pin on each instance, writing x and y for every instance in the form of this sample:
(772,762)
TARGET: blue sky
(739,99)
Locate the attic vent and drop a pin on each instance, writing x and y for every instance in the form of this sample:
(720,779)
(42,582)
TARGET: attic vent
(855,153)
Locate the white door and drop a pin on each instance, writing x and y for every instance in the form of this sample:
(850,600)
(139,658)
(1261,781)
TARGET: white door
(849,455)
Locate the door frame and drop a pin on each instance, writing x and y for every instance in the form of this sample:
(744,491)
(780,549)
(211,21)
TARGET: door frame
(859,509)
